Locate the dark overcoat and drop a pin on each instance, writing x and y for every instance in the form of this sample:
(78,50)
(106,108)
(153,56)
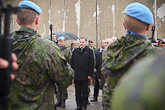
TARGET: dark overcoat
(82,63)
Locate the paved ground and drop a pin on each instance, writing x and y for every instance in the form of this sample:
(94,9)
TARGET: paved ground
(71,103)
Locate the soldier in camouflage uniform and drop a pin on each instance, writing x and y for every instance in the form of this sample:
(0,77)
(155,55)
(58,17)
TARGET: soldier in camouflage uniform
(40,64)
(62,94)
(143,86)
(90,45)
(121,54)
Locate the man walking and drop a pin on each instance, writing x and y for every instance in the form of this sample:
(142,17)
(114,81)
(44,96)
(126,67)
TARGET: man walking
(82,63)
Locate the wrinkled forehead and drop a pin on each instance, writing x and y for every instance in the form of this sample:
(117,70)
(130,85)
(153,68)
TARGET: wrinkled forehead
(82,40)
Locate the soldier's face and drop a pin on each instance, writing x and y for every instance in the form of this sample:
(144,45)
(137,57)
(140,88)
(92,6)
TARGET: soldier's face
(83,43)
(61,43)
(91,44)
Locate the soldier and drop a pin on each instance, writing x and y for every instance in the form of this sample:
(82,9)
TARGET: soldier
(143,86)
(40,64)
(62,94)
(121,54)
(90,43)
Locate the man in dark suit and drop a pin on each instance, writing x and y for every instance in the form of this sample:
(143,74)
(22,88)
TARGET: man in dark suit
(98,54)
(82,63)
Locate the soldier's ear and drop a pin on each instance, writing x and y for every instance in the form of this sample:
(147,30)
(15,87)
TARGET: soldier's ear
(37,20)
(124,26)
(148,26)
(17,21)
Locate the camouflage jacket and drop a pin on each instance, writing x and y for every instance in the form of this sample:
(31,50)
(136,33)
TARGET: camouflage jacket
(67,54)
(93,49)
(142,88)
(119,56)
(40,65)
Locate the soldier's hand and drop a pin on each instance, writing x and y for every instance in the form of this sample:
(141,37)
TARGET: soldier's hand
(4,64)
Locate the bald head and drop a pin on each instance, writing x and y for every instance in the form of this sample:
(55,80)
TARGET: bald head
(114,38)
(103,44)
(108,41)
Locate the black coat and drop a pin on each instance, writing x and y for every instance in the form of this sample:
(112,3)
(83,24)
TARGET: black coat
(82,63)
(98,55)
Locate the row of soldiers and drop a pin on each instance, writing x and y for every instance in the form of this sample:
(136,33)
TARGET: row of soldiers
(41,63)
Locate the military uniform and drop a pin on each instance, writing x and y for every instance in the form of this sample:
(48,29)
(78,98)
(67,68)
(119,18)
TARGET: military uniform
(40,63)
(117,59)
(143,87)
(89,81)
(62,94)
(67,54)
(121,54)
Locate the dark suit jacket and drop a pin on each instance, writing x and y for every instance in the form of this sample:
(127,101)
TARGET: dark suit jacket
(98,55)
(82,63)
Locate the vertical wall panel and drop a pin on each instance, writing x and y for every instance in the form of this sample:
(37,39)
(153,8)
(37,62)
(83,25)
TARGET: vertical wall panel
(57,15)
(160,19)
(44,17)
(71,19)
(88,21)
(120,5)
(104,19)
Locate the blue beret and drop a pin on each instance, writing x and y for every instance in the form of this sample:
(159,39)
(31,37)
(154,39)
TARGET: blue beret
(140,12)
(61,38)
(30,5)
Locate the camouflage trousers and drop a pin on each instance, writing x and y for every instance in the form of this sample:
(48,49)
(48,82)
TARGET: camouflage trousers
(62,94)
(108,90)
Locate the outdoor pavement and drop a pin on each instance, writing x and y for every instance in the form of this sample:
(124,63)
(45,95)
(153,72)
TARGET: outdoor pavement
(71,103)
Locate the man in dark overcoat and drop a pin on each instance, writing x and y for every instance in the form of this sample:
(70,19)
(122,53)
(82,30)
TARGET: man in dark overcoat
(82,63)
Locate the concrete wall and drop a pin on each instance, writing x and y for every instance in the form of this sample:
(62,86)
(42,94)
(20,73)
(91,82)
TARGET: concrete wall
(95,19)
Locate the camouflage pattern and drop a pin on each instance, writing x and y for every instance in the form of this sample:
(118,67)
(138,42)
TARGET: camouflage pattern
(117,59)
(91,80)
(92,48)
(67,54)
(63,94)
(40,65)
(143,87)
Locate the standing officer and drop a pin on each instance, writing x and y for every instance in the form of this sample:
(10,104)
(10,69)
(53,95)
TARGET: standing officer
(144,90)
(82,63)
(120,55)
(40,64)
(62,94)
